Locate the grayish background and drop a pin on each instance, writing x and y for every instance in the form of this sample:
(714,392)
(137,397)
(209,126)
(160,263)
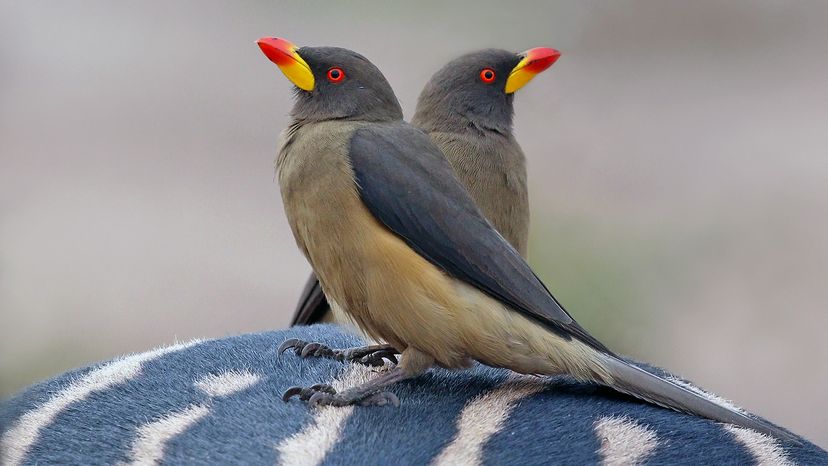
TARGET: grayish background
(677,156)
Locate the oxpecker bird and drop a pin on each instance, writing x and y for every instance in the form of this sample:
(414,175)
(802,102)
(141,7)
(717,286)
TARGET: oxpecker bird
(400,246)
(469,118)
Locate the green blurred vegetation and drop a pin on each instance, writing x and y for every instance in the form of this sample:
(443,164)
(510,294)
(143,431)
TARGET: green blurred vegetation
(593,273)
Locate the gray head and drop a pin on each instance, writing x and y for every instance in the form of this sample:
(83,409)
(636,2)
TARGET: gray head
(475,91)
(333,83)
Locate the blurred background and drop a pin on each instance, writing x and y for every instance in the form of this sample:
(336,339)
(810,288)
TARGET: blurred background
(677,158)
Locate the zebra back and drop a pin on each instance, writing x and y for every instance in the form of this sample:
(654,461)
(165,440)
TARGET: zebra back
(218,402)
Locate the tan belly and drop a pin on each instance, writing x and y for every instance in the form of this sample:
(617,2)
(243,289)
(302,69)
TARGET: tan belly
(410,302)
(391,292)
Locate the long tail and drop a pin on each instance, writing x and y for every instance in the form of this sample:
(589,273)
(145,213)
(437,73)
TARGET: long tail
(635,381)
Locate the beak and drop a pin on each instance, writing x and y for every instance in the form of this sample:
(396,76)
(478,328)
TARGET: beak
(283,53)
(533,62)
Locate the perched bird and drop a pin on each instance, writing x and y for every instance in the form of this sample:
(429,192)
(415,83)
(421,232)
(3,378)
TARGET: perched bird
(472,126)
(400,246)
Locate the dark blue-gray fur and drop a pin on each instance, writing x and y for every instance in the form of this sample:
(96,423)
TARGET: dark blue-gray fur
(555,426)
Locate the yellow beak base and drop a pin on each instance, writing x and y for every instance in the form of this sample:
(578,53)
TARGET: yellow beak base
(533,62)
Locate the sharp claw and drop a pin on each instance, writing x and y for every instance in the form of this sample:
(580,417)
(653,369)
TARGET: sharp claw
(309,349)
(383,356)
(378,359)
(319,398)
(289,343)
(291,392)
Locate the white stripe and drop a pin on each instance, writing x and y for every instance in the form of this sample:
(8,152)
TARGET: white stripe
(226,383)
(309,446)
(483,417)
(624,441)
(151,438)
(764,449)
(17,440)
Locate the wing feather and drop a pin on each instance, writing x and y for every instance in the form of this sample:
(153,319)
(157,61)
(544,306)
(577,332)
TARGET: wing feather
(407,184)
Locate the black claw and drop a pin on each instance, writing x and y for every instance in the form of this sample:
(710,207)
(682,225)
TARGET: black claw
(378,359)
(372,361)
(289,343)
(306,394)
(322,398)
(309,349)
(291,392)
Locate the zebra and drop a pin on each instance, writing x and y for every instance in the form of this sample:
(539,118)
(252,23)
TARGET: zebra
(219,401)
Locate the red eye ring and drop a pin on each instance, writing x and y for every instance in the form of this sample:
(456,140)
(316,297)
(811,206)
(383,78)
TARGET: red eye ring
(487,75)
(336,75)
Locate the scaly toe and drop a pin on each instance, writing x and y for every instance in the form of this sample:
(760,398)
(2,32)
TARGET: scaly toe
(323,351)
(381,399)
(323,387)
(309,349)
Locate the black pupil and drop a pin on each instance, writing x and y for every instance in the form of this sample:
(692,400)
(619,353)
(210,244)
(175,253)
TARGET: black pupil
(335,74)
(488,75)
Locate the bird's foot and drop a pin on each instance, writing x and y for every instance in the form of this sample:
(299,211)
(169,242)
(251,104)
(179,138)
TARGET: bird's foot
(325,395)
(373,355)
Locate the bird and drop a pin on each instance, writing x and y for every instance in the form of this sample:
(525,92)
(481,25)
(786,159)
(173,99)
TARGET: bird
(472,126)
(400,246)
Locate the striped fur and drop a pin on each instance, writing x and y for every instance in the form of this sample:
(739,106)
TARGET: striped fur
(218,402)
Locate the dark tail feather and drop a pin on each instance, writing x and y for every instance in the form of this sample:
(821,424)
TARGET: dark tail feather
(636,382)
(312,304)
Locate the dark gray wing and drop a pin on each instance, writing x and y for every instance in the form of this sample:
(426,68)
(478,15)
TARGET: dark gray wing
(312,304)
(407,184)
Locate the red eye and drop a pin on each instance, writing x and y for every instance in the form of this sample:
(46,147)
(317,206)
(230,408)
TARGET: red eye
(336,75)
(487,75)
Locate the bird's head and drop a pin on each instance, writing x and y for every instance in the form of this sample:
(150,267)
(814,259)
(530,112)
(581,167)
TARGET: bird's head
(333,83)
(477,89)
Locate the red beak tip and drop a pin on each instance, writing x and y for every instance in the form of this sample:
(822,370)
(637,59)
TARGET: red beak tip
(277,50)
(542,58)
